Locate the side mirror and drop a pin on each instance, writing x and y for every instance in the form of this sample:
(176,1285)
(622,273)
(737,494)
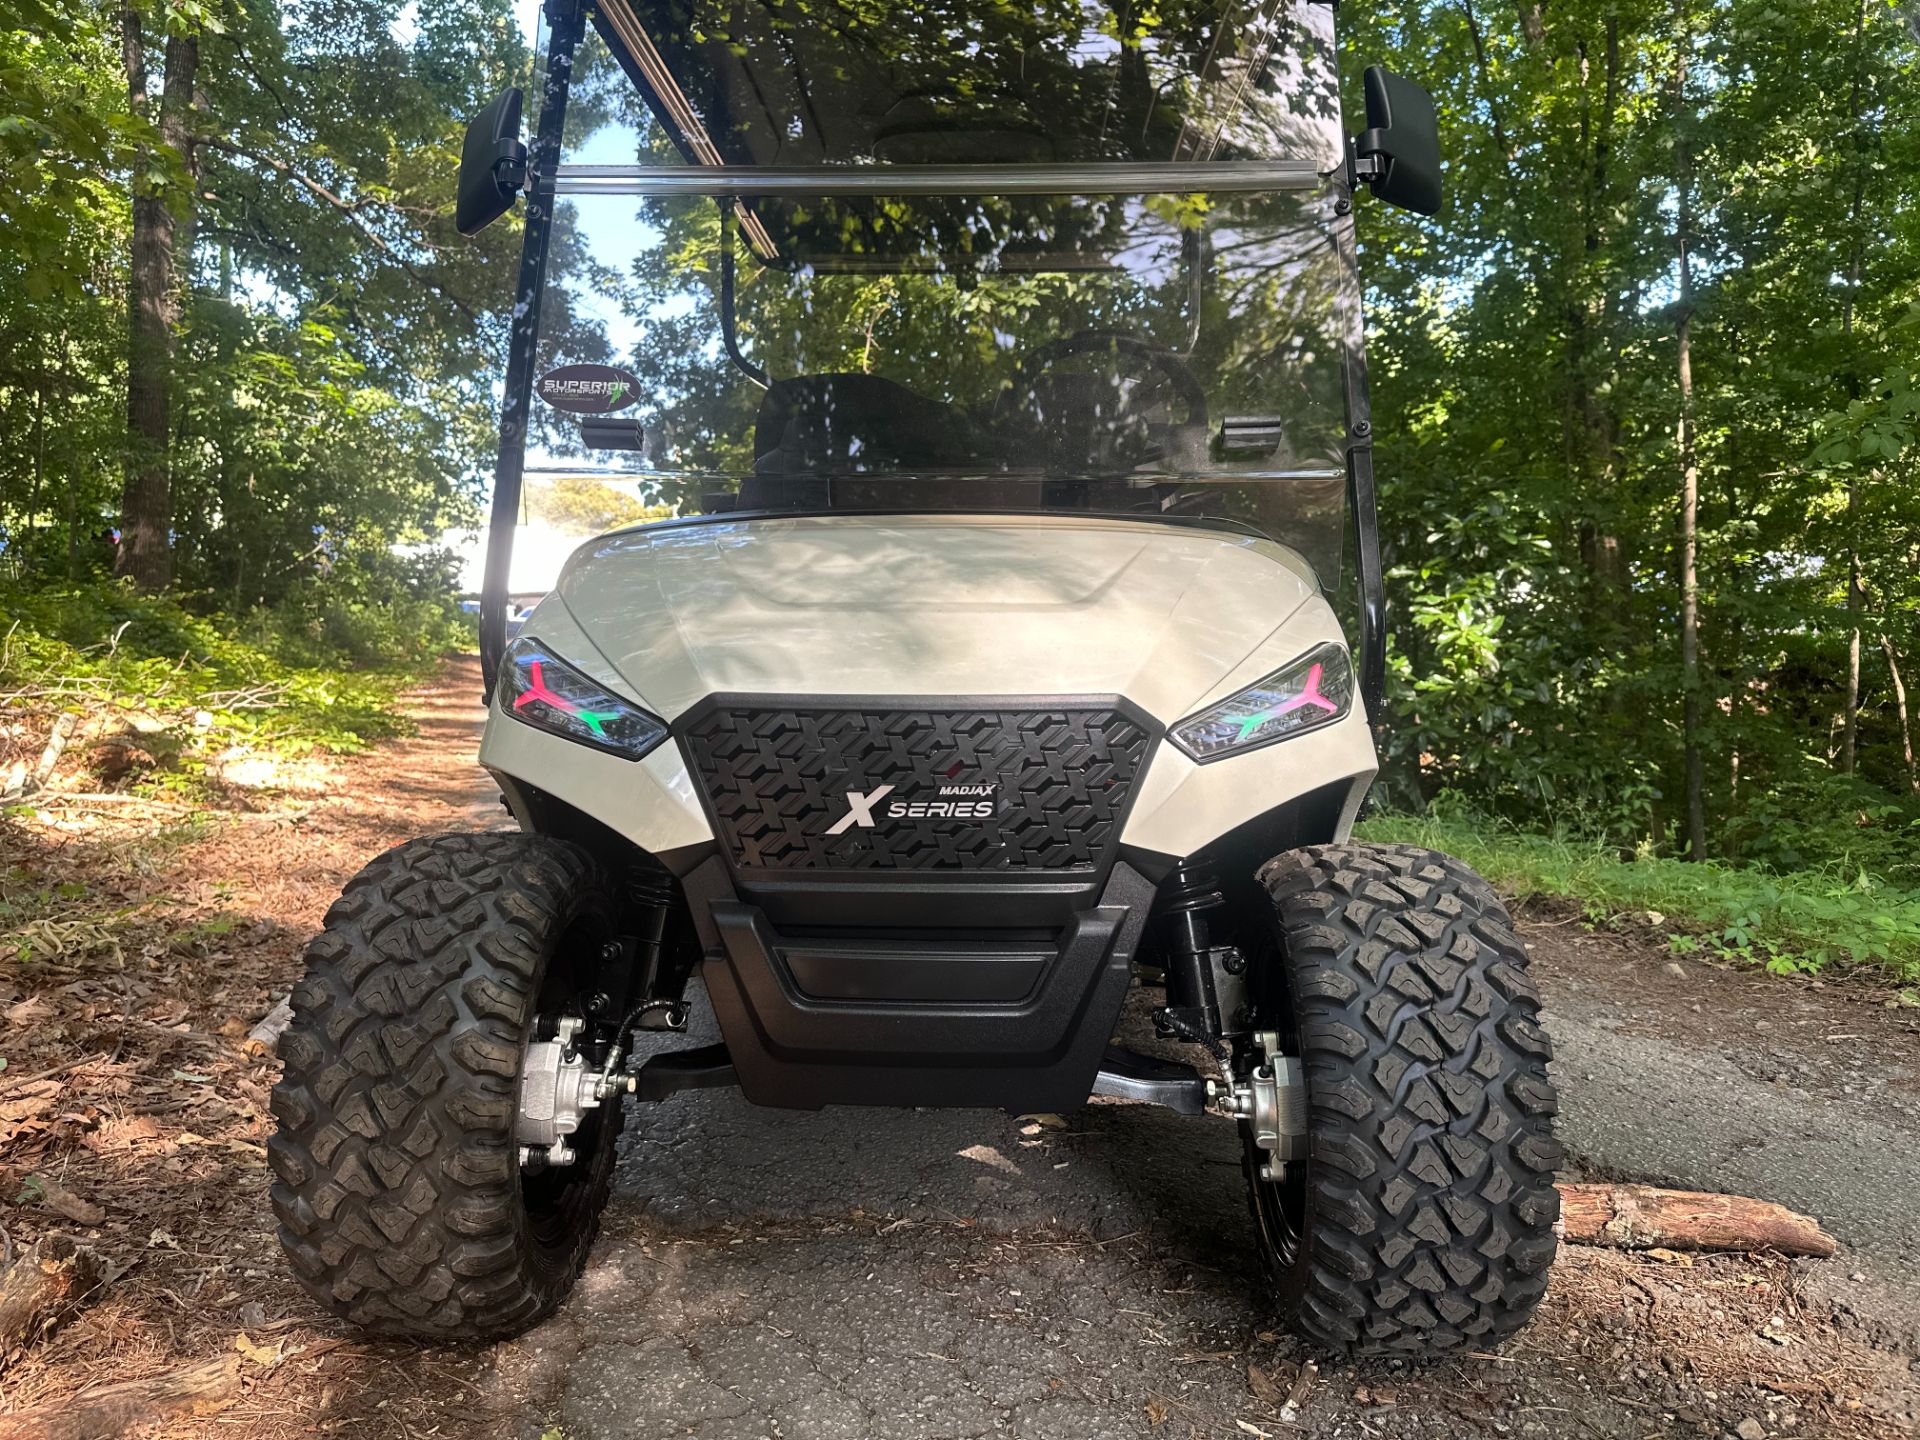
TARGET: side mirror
(493,165)
(1398,154)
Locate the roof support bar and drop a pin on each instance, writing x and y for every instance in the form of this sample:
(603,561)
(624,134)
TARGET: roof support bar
(1113,178)
(566,21)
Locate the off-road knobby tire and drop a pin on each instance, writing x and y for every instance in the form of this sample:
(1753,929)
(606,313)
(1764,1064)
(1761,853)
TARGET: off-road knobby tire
(397,1178)
(1428,1207)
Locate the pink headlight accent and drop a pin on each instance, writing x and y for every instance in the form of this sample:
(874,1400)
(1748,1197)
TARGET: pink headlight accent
(1309,696)
(538,690)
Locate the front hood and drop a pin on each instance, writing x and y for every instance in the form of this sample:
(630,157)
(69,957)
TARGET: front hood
(930,605)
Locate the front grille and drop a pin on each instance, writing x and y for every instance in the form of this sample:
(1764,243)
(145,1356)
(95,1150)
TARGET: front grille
(778,778)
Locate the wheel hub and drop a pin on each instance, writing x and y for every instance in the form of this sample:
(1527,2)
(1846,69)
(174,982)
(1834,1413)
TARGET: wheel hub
(1272,1103)
(557,1089)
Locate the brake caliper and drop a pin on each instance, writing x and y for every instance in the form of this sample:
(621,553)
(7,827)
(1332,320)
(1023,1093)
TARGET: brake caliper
(557,1088)
(1272,1101)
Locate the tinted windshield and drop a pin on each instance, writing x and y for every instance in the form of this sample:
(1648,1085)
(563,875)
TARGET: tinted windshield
(904,82)
(1123,354)
(1165,354)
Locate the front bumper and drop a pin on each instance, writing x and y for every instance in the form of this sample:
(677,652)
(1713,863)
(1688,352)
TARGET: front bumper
(962,935)
(940,1016)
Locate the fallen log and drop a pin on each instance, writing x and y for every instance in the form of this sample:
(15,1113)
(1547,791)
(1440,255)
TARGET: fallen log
(43,1288)
(1644,1217)
(116,1409)
(264,1038)
(62,732)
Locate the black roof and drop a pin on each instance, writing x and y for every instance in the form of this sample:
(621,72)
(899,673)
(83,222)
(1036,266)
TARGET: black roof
(811,82)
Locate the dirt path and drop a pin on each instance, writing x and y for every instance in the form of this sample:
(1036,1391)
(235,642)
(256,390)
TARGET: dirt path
(138,943)
(1688,1075)
(881,1275)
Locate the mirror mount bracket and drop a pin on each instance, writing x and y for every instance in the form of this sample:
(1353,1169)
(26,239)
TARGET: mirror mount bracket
(510,165)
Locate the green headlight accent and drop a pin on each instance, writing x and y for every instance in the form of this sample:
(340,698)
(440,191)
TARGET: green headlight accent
(540,689)
(594,720)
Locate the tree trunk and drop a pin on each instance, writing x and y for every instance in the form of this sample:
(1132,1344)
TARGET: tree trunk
(1689,465)
(1641,1217)
(1900,707)
(1533,25)
(146,505)
(1856,602)
(43,1289)
(1856,591)
(1592,421)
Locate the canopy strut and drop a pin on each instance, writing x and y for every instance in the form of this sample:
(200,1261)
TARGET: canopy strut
(566,21)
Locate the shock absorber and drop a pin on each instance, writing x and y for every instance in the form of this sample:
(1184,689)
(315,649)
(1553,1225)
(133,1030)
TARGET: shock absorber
(1192,1011)
(651,895)
(633,962)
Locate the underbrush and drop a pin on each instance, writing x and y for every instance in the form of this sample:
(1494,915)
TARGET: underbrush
(144,693)
(1795,922)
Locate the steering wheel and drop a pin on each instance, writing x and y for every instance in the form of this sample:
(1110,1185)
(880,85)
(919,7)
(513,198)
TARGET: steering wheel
(1115,342)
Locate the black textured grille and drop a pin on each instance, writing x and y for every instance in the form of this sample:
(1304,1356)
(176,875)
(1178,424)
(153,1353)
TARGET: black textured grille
(778,780)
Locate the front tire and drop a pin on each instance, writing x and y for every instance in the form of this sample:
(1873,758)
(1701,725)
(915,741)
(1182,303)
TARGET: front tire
(399,1189)
(1421,1221)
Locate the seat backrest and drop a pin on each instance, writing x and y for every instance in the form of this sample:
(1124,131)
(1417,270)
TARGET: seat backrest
(849,421)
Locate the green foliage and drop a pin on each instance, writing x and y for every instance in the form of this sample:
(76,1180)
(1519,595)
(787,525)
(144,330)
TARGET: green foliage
(1526,394)
(1817,819)
(335,343)
(584,505)
(64,132)
(190,684)
(1791,923)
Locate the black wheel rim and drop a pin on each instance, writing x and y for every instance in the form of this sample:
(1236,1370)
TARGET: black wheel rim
(1279,1206)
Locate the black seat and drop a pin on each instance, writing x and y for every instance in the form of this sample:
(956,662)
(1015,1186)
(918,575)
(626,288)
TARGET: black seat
(841,423)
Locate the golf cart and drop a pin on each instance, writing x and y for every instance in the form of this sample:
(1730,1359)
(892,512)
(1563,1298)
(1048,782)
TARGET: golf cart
(1003,367)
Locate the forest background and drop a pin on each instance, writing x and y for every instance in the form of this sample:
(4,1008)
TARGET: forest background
(1646,397)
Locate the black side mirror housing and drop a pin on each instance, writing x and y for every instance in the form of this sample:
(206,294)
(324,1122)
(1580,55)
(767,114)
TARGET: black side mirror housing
(1398,155)
(493,165)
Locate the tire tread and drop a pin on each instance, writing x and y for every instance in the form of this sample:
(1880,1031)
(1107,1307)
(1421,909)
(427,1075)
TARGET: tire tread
(1431,1153)
(396,1176)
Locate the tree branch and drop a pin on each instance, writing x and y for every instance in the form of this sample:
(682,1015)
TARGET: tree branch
(351,211)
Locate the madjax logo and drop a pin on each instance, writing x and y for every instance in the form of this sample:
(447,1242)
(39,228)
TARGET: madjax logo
(958,802)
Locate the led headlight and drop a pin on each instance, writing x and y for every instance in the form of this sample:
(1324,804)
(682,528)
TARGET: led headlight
(543,690)
(1315,690)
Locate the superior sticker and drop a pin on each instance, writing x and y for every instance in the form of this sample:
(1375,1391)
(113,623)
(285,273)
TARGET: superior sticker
(588,389)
